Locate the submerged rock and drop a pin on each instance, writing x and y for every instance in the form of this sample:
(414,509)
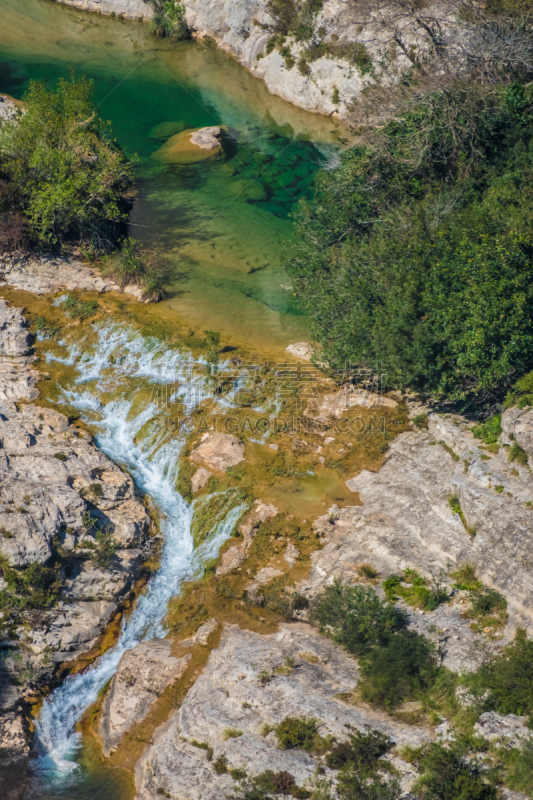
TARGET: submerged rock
(219,451)
(190,147)
(142,675)
(163,131)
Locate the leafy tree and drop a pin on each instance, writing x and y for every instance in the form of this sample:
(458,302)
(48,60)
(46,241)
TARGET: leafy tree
(355,616)
(416,254)
(508,678)
(447,775)
(61,175)
(399,671)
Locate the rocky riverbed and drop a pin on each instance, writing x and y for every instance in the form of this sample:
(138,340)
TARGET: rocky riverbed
(71,519)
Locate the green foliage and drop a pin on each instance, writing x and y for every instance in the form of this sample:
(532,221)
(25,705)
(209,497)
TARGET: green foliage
(421,421)
(353,786)
(490,430)
(34,588)
(447,775)
(519,767)
(420,594)
(362,750)
(169,19)
(354,616)
(132,264)
(294,17)
(507,679)
(466,577)
(79,309)
(416,251)
(270,784)
(517,453)
(353,52)
(487,601)
(60,456)
(399,671)
(60,169)
(105,549)
(297,732)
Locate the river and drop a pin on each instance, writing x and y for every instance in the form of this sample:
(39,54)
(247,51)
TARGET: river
(225,254)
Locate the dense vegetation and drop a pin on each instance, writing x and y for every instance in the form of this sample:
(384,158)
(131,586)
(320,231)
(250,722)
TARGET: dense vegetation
(62,177)
(416,254)
(169,19)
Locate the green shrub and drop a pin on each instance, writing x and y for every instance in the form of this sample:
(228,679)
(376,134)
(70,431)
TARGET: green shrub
(506,680)
(516,453)
(105,549)
(425,233)
(355,616)
(447,775)
(61,170)
(399,671)
(35,587)
(490,430)
(362,750)
(79,309)
(353,786)
(519,767)
(169,19)
(297,732)
(421,594)
(132,264)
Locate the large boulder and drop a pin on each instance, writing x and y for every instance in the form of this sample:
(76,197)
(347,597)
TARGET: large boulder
(142,674)
(190,147)
(219,451)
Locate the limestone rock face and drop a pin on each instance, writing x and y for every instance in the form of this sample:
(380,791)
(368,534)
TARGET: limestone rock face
(406,519)
(215,703)
(519,423)
(142,674)
(509,729)
(129,9)
(49,274)
(8,107)
(219,451)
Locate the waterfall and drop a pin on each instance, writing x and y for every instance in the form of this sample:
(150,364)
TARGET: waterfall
(119,355)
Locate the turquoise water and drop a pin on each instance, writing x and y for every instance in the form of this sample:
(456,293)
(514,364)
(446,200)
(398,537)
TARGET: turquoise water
(222,225)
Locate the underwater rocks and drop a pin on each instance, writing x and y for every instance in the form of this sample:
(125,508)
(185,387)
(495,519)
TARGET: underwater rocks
(190,147)
(230,697)
(142,675)
(163,131)
(410,516)
(219,451)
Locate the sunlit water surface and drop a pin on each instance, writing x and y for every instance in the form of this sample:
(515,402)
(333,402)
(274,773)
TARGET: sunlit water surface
(224,246)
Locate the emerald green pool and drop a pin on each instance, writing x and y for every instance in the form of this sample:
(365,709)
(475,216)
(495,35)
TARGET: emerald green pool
(223,244)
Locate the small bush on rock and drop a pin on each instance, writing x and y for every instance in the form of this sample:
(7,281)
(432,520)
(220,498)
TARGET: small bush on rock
(362,750)
(355,617)
(297,732)
(447,775)
(399,671)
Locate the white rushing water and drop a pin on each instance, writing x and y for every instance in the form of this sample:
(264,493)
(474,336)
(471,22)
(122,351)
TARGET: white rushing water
(120,355)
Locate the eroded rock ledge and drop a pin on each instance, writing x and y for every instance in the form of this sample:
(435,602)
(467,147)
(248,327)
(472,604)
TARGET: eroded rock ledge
(50,274)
